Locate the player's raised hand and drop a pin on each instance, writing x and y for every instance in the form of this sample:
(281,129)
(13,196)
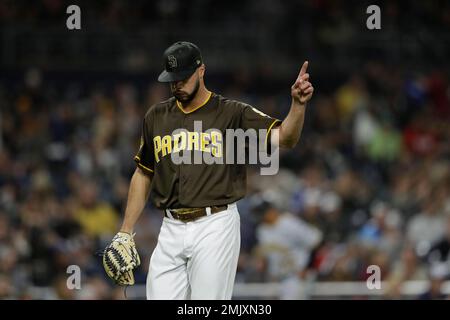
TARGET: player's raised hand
(302,90)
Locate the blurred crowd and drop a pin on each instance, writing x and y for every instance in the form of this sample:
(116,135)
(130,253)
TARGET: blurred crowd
(369,184)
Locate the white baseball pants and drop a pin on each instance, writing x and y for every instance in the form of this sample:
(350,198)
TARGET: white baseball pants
(196,260)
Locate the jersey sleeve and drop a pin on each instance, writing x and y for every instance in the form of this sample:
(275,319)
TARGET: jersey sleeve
(252,118)
(144,158)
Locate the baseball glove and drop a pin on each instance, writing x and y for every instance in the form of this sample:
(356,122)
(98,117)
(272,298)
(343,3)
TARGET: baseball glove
(120,258)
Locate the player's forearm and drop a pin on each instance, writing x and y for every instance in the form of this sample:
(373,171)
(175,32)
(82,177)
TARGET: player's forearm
(137,198)
(291,128)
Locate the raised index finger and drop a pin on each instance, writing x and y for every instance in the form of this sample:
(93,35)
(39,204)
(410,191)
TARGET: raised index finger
(302,72)
(304,67)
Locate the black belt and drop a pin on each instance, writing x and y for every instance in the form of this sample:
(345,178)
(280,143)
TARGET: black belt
(191,214)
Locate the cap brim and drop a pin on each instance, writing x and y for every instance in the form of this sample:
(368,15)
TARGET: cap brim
(174,76)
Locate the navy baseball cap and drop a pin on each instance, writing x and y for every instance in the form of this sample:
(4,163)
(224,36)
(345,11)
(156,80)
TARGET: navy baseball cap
(181,59)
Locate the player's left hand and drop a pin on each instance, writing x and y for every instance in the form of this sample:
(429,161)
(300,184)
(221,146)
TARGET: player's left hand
(302,90)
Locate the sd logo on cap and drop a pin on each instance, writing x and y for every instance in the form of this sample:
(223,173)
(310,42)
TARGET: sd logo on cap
(180,61)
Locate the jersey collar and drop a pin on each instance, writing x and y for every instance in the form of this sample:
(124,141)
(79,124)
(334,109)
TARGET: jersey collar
(198,107)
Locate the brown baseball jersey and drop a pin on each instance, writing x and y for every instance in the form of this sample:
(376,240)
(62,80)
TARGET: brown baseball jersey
(183,185)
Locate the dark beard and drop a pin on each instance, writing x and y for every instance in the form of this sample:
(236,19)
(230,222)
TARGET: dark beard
(189,97)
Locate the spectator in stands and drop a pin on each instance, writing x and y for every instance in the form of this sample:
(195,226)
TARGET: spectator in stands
(383,229)
(438,273)
(440,251)
(426,227)
(97,218)
(408,268)
(286,241)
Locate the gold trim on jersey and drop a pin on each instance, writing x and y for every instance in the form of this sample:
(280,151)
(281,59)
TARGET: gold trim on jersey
(187,112)
(268,131)
(141,165)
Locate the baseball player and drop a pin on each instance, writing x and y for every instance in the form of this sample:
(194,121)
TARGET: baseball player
(198,246)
